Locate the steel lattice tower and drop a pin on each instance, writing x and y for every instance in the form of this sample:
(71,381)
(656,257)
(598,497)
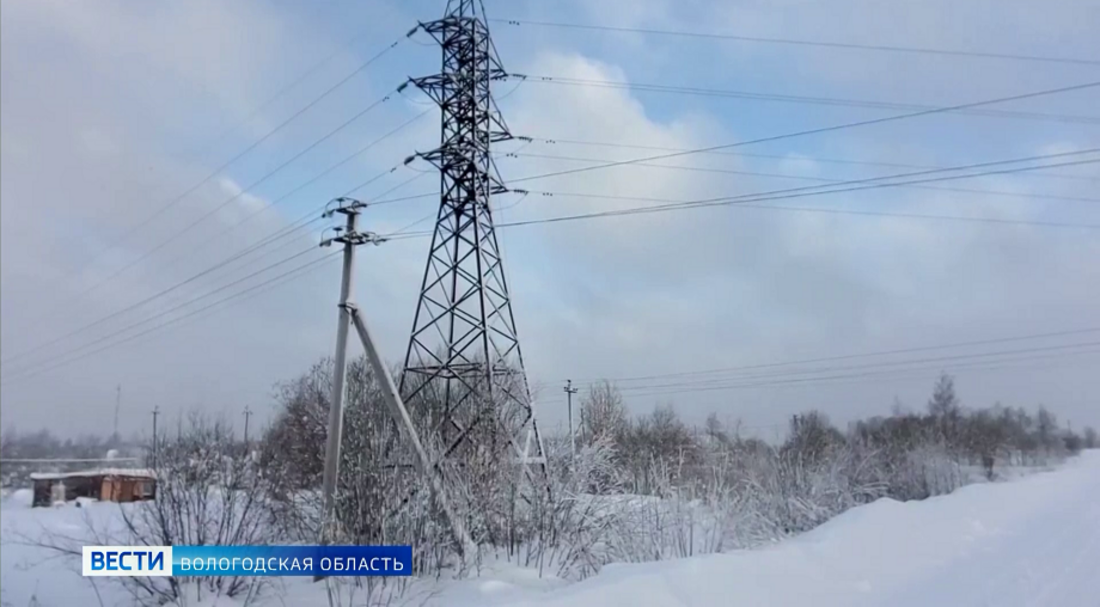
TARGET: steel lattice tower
(464,347)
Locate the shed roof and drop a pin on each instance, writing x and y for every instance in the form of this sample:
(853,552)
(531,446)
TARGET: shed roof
(124,472)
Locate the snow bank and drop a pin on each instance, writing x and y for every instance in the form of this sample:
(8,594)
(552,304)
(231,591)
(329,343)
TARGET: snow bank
(33,575)
(1029,542)
(20,498)
(1035,541)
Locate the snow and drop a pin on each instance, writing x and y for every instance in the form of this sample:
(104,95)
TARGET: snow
(1031,541)
(31,575)
(128,472)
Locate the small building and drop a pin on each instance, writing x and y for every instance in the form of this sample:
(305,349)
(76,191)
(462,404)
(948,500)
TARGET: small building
(112,484)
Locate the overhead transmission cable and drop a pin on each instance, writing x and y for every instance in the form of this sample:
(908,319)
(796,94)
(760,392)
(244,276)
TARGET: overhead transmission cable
(285,232)
(781,373)
(814,131)
(871,182)
(749,380)
(356,154)
(54,364)
(163,292)
(801,99)
(746,200)
(290,229)
(1042,196)
(876,353)
(813,43)
(821,159)
(252,291)
(257,110)
(711,201)
(172,202)
(312,216)
(895,374)
(788,193)
(271,132)
(176,234)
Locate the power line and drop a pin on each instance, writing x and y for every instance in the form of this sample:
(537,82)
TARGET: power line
(895,374)
(241,254)
(272,282)
(762,380)
(814,43)
(176,234)
(892,375)
(831,101)
(256,111)
(326,172)
(931,172)
(292,228)
(314,213)
(230,200)
(788,193)
(220,289)
(864,366)
(1042,196)
(406,198)
(172,202)
(745,200)
(927,216)
(907,350)
(870,182)
(815,131)
(740,205)
(821,159)
(161,293)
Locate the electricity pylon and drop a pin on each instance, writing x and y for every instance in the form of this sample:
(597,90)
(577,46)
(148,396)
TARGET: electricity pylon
(464,350)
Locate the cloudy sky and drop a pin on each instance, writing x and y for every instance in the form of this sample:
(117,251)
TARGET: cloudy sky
(136,154)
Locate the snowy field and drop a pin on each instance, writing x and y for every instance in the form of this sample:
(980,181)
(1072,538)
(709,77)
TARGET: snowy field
(1033,541)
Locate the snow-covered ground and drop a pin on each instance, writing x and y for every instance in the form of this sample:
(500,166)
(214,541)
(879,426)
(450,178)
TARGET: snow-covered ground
(1034,541)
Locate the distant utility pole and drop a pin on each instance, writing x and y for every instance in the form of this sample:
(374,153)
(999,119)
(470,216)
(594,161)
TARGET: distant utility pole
(118,403)
(570,391)
(350,237)
(156,413)
(247,414)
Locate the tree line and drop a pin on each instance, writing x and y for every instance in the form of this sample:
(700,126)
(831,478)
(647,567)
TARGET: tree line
(639,487)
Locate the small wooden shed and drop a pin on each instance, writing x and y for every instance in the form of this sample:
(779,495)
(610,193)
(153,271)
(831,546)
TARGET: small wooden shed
(115,485)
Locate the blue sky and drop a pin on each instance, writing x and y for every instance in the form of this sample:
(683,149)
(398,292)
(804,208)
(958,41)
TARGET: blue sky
(111,108)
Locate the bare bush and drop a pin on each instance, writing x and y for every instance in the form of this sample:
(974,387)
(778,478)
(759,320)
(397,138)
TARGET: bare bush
(602,413)
(639,489)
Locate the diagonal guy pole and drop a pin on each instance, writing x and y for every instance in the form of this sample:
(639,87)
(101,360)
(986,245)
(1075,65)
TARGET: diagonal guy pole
(400,415)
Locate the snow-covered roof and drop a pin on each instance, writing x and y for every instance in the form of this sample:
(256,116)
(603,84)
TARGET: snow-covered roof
(56,476)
